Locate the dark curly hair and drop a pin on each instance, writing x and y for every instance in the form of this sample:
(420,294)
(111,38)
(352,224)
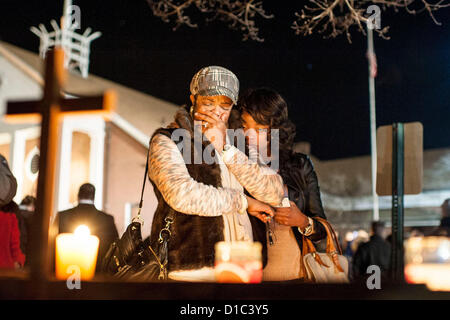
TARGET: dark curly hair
(267,107)
(28,200)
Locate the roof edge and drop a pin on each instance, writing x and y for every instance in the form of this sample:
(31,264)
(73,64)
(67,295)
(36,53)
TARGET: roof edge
(21,65)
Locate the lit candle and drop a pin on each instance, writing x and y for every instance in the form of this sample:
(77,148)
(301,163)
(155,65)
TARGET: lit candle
(76,250)
(428,262)
(238,261)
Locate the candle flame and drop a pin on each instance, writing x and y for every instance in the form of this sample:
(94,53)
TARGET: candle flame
(82,231)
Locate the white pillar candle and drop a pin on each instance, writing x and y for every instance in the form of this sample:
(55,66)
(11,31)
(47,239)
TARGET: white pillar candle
(76,250)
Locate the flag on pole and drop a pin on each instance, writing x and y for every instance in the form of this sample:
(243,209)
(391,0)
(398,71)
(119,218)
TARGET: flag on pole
(373,63)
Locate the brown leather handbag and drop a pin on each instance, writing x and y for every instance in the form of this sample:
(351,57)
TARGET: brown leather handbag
(328,267)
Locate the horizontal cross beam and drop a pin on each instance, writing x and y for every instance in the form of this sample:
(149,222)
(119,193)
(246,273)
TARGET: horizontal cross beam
(32,110)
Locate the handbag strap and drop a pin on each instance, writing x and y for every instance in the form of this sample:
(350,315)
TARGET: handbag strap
(170,216)
(141,201)
(332,242)
(164,234)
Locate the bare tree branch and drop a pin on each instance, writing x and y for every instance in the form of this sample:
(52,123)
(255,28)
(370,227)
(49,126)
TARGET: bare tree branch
(238,14)
(336,17)
(168,8)
(241,15)
(331,18)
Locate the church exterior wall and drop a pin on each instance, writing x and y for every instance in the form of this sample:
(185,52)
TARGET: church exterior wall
(124,170)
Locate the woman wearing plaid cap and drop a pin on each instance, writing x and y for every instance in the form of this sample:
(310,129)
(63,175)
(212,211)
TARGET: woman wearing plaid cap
(207,196)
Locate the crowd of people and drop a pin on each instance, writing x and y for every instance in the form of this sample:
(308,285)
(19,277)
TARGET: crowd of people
(263,191)
(364,251)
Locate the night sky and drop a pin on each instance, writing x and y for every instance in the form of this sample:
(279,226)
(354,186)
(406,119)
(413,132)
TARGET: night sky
(324,81)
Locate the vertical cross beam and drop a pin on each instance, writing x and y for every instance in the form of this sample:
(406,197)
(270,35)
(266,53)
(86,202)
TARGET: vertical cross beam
(50,110)
(397,253)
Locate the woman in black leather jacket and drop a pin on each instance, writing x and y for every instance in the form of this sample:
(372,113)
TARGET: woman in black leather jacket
(262,110)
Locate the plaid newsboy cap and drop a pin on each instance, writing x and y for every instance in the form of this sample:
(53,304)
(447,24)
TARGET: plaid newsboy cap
(215,81)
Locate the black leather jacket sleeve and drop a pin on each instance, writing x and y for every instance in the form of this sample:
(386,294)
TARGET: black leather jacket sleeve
(313,205)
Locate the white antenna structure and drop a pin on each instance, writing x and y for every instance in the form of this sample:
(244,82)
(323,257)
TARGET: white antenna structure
(76,46)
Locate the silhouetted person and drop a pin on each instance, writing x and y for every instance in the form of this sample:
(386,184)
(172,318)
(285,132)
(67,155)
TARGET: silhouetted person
(389,239)
(376,251)
(444,227)
(25,218)
(100,224)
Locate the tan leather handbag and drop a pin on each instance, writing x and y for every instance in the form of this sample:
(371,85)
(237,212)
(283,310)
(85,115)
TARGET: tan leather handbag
(328,267)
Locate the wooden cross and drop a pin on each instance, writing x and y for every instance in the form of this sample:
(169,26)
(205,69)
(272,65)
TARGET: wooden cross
(51,108)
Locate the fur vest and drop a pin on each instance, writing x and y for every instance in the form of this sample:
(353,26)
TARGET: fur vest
(193,237)
(191,245)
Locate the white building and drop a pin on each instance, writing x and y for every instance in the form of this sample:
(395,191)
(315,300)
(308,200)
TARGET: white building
(110,155)
(345,186)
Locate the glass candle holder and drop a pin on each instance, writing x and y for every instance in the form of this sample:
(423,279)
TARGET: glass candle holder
(238,262)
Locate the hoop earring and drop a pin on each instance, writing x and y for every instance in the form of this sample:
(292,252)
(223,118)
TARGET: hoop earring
(191,111)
